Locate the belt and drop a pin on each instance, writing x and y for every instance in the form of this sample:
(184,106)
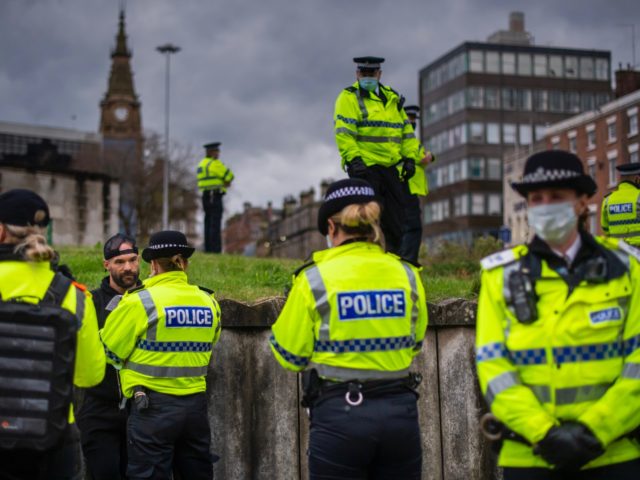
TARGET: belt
(354,392)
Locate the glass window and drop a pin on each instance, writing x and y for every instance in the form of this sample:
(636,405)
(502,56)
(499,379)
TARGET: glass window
(633,157)
(602,69)
(477,204)
(454,172)
(475,96)
(509,133)
(540,65)
(476,132)
(592,170)
(508,63)
(591,139)
(601,98)
(612,171)
(540,100)
(445,209)
(493,133)
(509,98)
(476,61)
(457,101)
(524,64)
(523,99)
(525,134)
(464,171)
(541,131)
(494,169)
(587,101)
(494,204)
(611,132)
(633,123)
(573,144)
(572,102)
(492,62)
(555,66)
(571,67)
(461,205)
(476,167)
(555,101)
(491,99)
(586,68)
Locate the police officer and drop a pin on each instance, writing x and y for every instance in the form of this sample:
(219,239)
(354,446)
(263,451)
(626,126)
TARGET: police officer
(415,187)
(101,419)
(558,336)
(375,137)
(160,336)
(620,215)
(213,180)
(355,318)
(26,276)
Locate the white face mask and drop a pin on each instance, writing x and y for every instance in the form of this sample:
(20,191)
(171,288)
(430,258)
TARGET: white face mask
(553,222)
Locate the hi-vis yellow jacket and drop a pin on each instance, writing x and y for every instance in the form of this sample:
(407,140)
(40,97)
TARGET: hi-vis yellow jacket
(620,215)
(377,131)
(160,336)
(213,175)
(355,313)
(580,360)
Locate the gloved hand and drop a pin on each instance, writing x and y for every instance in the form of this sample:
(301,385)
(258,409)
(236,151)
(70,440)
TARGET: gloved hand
(408,168)
(569,446)
(356,168)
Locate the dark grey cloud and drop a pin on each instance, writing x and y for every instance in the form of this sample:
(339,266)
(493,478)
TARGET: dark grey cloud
(261,76)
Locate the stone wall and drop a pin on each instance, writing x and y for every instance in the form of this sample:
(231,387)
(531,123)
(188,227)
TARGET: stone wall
(260,432)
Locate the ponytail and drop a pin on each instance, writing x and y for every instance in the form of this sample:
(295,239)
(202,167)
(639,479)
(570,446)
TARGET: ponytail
(361,219)
(177,263)
(30,243)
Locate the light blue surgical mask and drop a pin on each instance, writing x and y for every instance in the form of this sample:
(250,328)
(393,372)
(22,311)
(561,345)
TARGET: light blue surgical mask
(553,222)
(369,83)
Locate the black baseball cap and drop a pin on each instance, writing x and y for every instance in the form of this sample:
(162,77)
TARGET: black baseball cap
(22,207)
(112,246)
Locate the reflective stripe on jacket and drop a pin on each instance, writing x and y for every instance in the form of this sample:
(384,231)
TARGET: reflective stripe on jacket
(580,360)
(161,336)
(357,313)
(620,215)
(374,130)
(213,175)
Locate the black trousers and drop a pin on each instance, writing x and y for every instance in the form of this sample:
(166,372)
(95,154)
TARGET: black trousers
(171,435)
(61,462)
(212,206)
(390,193)
(103,433)
(412,227)
(618,471)
(379,439)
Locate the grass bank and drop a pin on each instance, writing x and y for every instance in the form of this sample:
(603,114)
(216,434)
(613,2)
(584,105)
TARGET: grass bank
(248,279)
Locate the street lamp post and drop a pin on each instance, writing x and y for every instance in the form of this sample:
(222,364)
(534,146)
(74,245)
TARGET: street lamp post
(166,49)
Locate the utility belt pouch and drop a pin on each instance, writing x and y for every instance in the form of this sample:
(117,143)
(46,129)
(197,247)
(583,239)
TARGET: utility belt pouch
(523,297)
(140,398)
(311,385)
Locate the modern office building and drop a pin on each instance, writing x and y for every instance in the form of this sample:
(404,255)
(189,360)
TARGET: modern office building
(482,100)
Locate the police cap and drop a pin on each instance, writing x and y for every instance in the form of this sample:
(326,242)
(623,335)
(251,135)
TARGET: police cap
(166,244)
(112,246)
(22,208)
(212,146)
(368,63)
(412,110)
(339,195)
(629,169)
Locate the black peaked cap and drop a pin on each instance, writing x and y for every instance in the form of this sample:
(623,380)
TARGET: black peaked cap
(166,244)
(339,195)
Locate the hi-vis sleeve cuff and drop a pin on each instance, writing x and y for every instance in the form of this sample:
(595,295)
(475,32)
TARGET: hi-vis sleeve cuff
(112,358)
(287,359)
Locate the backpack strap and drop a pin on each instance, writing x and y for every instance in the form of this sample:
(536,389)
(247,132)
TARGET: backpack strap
(57,290)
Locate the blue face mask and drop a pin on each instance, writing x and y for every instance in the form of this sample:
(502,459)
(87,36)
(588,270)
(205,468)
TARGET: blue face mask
(369,83)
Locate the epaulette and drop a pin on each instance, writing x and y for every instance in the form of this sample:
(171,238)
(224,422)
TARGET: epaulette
(499,259)
(135,289)
(205,289)
(351,89)
(303,267)
(629,249)
(410,262)
(79,286)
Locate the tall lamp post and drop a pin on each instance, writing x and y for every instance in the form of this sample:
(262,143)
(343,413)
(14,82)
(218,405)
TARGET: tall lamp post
(166,49)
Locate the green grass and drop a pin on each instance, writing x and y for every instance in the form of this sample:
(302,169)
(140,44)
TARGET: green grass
(248,279)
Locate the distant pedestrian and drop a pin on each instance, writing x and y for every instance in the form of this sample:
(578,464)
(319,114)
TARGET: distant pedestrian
(377,143)
(354,320)
(620,215)
(213,180)
(102,419)
(160,337)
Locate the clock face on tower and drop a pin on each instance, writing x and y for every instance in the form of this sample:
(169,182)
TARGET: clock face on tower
(121,113)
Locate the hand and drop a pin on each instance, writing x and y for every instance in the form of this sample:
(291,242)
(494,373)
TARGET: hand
(569,446)
(428,158)
(356,168)
(408,168)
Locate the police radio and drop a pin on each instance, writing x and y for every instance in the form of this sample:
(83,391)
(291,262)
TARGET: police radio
(523,297)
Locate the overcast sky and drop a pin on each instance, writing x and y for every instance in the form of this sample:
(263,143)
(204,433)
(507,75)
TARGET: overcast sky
(260,75)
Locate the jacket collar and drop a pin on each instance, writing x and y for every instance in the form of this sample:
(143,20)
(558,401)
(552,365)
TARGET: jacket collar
(6,253)
(345,249)
(106,287)
(165,278)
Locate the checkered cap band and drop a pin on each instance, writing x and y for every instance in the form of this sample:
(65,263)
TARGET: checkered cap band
(544,175)
(349,192)
(167,245)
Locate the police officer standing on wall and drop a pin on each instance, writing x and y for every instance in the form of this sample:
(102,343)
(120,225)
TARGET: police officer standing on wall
(416,186)
(160,336)
(102,419)
(213,180)
(34,406)
(558,336)
(620,215)
(374,138)
(355,318)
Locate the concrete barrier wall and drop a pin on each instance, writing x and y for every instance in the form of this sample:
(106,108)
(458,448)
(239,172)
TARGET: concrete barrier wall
(260,431)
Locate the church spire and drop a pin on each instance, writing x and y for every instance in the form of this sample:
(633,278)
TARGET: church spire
(121,78)
(121,49)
